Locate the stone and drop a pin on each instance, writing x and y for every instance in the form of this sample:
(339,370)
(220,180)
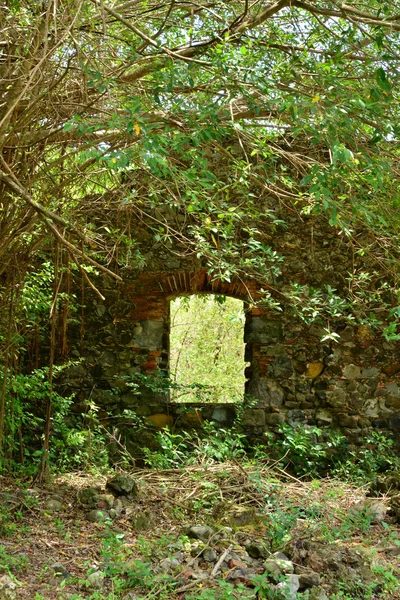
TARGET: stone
(308,578)
(122,485)
(278,567)
(89,497)
(392,402)
(191,419)
(242,516)
(169,563)
(348,421)
(323,417)
(267,391)
(280,367)
(261,330)
(371,407)
(364,334)
(161,421)
(393,389)
(60,571)
(149,335)
(97,516)
(385,484)
(317,593)
(370,372)
(352,371)
(314,369)
(392,369)
(116,510)
(372,508)
(96,579)
(394,507)
(289,587)
(256,550)
(209,555)
(142,521)
(220,415)
(235,563)
(200,532)
(296,417)
(254,417)
(274,419)
(336,397)
(53,505)
(8,589)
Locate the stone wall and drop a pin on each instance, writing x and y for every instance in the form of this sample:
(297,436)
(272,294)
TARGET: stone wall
(293,377)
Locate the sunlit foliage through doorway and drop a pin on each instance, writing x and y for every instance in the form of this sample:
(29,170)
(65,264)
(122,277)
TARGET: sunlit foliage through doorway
(207,349)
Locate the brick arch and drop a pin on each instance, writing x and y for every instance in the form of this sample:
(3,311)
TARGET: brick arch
(200,282)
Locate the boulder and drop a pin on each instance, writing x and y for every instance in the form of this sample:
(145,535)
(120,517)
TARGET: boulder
(122,485)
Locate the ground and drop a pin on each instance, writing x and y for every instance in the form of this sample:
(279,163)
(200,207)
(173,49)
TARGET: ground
(229,530)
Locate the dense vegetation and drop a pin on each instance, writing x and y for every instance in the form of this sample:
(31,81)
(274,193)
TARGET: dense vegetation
(112,111)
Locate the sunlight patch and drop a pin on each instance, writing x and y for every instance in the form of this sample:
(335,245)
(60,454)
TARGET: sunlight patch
(207,349)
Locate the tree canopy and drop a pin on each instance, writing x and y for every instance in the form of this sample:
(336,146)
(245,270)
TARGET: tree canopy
(111,108)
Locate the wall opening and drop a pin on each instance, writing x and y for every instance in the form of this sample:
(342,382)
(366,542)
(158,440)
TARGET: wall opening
(207,349)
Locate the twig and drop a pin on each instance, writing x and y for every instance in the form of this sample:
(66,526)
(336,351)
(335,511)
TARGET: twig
(220,561)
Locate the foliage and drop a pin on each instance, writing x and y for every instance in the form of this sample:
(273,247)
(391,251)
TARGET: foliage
(315,452)
(213,444)
(74,444)
(206,347)
(219,116)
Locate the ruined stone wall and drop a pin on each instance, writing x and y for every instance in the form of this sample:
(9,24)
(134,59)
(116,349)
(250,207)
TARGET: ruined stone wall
(293,377)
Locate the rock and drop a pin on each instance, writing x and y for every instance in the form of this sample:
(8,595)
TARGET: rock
(373,509)
(53,505)
(289,587)
(60,571)
(394,505)
(209,555)
(8,589)
(308,579)
(385,485)
(256,550)
(278,567)
(161,421)
(89,497)
(122,485)
(317,593)
(106,501)
(200,532)
(314,369)
(336,398)
(242,516)
(239,575)
(116,510)
(254,417)
(225,533)
(169,563)
(96,579)
(352,371)
(97,516)
(235,563)
(142,521)
(280,555)
(369,372)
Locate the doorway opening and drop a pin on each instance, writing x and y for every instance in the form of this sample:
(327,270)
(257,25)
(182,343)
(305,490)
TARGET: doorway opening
(207,349)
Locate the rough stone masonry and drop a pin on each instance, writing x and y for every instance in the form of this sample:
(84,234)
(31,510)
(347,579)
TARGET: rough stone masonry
(352,384)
